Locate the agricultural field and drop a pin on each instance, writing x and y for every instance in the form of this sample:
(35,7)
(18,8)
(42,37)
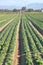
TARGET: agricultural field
(21,38)
(37,20)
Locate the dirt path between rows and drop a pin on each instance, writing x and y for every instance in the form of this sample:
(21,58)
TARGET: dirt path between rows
(15,54)
(2,20)
(18,55)
(1,28)
(22,59)
(36,30)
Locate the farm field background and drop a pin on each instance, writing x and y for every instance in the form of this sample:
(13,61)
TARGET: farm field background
(21,38)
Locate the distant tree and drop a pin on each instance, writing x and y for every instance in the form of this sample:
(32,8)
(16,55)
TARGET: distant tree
(38,10)
(23,8)
(30,10)
(5,10)
(14,10)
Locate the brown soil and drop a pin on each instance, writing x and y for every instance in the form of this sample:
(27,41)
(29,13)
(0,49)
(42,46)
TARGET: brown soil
(18,55)
(15,54)
(1,28)
(36,29)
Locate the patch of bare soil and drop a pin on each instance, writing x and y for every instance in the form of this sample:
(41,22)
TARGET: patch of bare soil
(1,28)
(36,30)
(15,54)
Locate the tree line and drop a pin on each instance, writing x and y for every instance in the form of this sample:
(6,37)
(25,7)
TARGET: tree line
(23,9)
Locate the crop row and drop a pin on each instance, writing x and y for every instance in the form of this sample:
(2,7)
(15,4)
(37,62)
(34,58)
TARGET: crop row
(6,19)
(37,23)
(32,42)
(7,47)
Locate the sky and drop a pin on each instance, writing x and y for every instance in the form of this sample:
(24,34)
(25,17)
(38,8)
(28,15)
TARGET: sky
(10,4)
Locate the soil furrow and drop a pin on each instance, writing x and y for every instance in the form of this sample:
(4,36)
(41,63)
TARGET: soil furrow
(15,54)
(21,49)
(18,55)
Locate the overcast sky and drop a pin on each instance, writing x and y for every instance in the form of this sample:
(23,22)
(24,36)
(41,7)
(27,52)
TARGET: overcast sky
(17,3)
